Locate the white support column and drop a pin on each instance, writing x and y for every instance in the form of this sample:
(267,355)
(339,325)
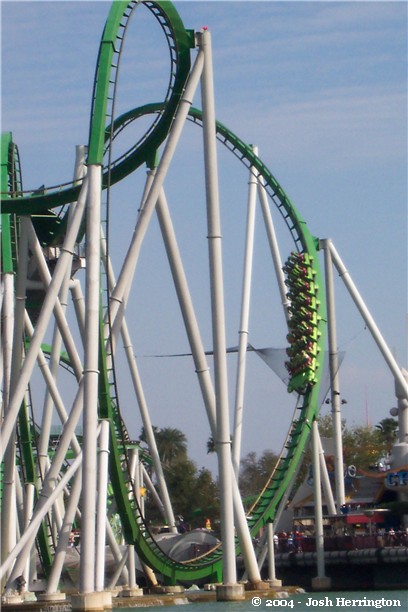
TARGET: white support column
(187,309)
(223,441)
(334,378)
(331,506)
(273,582)
(120,294)
(7,313)
(273,246)
(52,389)
(402,399)
(320,582)
(79,304)
(152,490)
(42,324)
(119,569)
(91,372)
(59,313)
(63,542)
(399,453)
(35,522)
(28,508)
(79,172)
(132,567)
(244,322)
(51,481)
(8,444)
(142,403)
(101,505)
(372,326)
(116,552)
(133,590)
(202,370)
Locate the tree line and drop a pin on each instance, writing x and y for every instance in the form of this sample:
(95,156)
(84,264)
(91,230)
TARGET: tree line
(194,491)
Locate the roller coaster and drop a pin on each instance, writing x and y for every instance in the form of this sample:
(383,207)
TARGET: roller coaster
(54,235)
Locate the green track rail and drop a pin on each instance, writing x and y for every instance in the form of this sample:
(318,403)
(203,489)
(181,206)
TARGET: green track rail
(180,41)
(11,180)
(103,129)
(264,509)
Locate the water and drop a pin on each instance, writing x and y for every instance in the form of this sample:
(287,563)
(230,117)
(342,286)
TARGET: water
(336,601)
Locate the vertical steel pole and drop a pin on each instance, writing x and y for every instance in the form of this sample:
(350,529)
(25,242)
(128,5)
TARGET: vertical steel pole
(399,452)
(402,410)
(223,442)
(7,313)
(334,377)
(202,370)
(271,555)
(132,567)
(402,398)
(8,501)
(101,505)
(319,535)
(326,480)
(28,508)
(91,372)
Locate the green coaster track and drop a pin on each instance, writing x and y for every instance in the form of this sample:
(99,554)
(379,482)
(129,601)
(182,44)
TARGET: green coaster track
(303,277)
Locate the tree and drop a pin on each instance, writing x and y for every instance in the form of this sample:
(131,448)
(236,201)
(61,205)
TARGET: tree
(171,444)
(362,446)
(388,428)
(254,474)
(194,494)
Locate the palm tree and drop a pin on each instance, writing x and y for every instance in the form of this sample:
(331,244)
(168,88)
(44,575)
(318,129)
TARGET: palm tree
(388,428)
(171,444)
(211,445)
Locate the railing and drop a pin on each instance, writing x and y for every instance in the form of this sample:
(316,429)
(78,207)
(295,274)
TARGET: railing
(344,542)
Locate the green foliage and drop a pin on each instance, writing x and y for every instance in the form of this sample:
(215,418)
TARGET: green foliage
(254,474)
(362,446)
(388,428)
(193,492)
(171,443)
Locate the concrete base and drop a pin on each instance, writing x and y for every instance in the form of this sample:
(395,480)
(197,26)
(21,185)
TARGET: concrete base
(257,586)
(28,596)
(102,600)
(12,599)
(211,586)
(274,583)
(321,583)
(51,596)
(135,592)
(230,592)
(167,589)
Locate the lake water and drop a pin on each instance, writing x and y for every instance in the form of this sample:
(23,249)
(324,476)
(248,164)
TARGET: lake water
(336,601)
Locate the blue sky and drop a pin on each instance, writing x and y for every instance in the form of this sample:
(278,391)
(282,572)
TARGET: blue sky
(321,88)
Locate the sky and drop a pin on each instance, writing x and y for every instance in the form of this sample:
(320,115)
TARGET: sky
(321,89)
